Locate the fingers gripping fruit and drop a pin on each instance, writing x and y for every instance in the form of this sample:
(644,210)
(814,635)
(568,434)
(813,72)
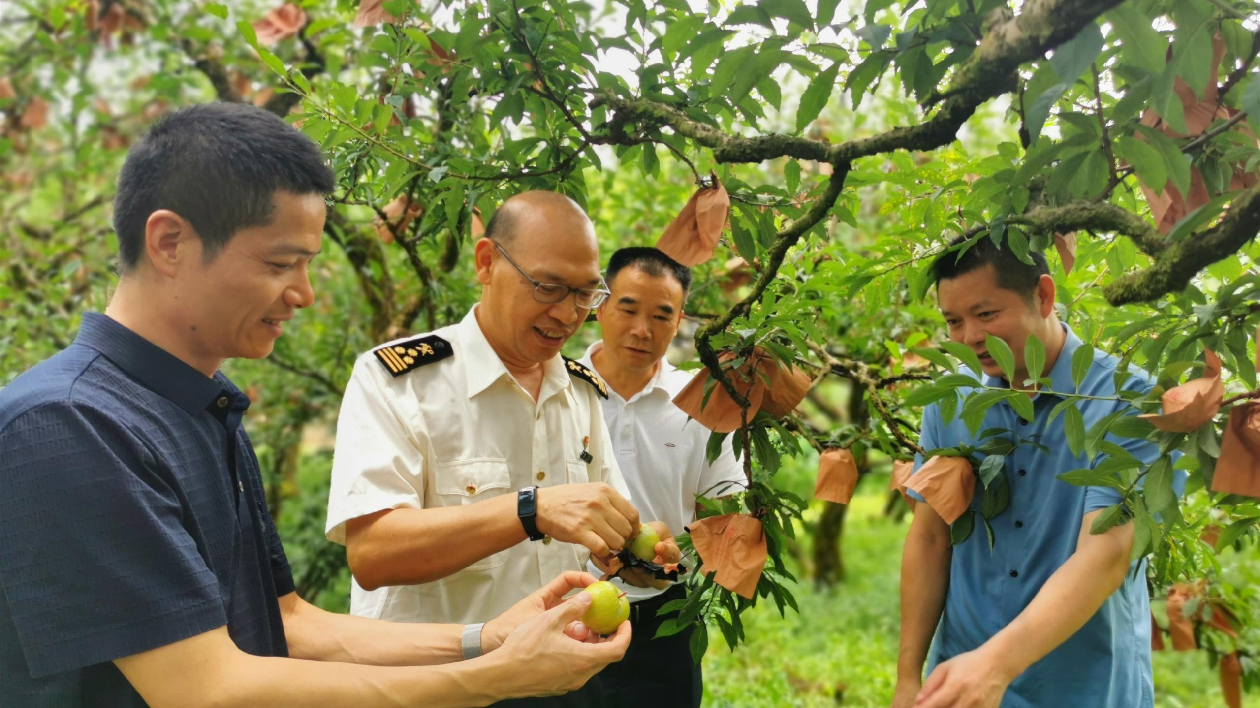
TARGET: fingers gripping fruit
(643,546)
(609,608)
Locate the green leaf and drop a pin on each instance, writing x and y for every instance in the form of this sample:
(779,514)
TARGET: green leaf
(1023,405)
(1039,109)
(750,15)
(996,499)
(699,642)
(1074,429)
(1131,426)
(219,10)
(875,35)
(1074,56)
(1192,57)
(964,354)
(1157,486)
(1235,531)
(937,358)
(1034,356)
(1082,360)
(792,175)
(744,244)
(1002,354)
(1147,162)
(816,96)
(1141,45)
(670,627)
(961,529)
(826,12)
(794,11)
(726,69)
(988,531)
(1095,436)
(1110,517)
(1251,100)
(991,468)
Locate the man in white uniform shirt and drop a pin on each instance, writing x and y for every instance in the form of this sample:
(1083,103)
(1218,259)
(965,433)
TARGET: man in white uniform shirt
(660,453)
(455,447)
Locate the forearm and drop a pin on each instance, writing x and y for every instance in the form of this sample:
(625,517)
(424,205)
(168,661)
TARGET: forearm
(924,582)
(1066,601)
(315,634)
(409,546)
(297,683)
(208,670)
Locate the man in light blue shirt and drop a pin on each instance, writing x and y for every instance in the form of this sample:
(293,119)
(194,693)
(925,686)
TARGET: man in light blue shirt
(1052,615)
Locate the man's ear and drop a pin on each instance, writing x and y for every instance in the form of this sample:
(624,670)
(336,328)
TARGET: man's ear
(1045,295)
(482,259)
(169,241)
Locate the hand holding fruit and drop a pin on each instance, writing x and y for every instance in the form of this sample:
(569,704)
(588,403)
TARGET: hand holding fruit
(592,515)
(543,658)
(609,608)
(653,543)
(541,600)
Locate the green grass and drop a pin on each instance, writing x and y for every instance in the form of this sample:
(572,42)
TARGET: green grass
(842,648)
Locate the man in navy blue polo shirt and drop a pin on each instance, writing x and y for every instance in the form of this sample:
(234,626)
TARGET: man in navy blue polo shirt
(138,562)
(1052,615)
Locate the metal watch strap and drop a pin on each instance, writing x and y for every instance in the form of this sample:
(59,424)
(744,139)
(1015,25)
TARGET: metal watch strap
(470,641)
(527,512)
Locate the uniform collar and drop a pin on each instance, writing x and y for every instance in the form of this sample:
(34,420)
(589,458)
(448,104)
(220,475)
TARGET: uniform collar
(483,366)
(1060,374)
(159,370)
(659,380)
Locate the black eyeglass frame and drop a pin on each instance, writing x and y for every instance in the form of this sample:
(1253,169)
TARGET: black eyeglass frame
(599,294)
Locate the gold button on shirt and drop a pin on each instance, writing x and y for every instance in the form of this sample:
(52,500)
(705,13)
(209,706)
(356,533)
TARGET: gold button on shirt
(456,432)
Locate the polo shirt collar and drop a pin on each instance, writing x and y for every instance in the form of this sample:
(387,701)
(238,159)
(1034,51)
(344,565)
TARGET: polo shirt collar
(1060,374)
(482,365)
(158,369)
(659,380)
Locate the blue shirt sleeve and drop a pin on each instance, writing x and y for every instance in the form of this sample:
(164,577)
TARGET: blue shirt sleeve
(95,562)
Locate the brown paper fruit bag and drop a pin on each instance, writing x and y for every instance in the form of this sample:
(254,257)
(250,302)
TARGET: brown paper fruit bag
(948,485)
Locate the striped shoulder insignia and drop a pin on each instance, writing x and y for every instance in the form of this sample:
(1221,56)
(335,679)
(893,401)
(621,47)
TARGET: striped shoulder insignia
(582,372)
(411,354)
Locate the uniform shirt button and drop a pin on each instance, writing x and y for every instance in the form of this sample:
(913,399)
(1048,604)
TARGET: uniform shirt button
(471,489)
(1023,472)
(240,486)
(1019,524)
(1014,573)
(222,402)
(547,541)
(541,475)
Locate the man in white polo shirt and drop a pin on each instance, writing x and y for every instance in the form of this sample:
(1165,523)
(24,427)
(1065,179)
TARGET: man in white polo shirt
(661,455)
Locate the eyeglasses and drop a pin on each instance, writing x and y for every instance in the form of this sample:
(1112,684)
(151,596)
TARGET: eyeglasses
(550,293)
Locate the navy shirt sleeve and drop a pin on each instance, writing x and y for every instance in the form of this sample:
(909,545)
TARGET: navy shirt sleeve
(98,564)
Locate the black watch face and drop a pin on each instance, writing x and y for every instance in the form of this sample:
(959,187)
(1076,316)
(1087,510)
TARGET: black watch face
(527,504)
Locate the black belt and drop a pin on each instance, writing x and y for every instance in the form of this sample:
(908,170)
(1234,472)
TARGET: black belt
(644,611)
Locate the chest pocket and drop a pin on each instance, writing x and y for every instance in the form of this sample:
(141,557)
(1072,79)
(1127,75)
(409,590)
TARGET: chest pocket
(471,481)
(579,471)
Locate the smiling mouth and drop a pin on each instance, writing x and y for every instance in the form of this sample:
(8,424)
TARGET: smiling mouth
(551,335)
(985,358)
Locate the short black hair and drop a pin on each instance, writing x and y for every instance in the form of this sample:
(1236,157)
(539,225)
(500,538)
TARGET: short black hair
(650,260)
(977,252)
(218,165)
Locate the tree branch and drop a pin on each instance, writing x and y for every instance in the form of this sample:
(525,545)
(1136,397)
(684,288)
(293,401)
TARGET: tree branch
(1094,216)
(1181,261)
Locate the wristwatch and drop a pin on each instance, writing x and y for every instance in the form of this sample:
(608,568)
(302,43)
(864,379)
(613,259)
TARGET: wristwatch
(527,512)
